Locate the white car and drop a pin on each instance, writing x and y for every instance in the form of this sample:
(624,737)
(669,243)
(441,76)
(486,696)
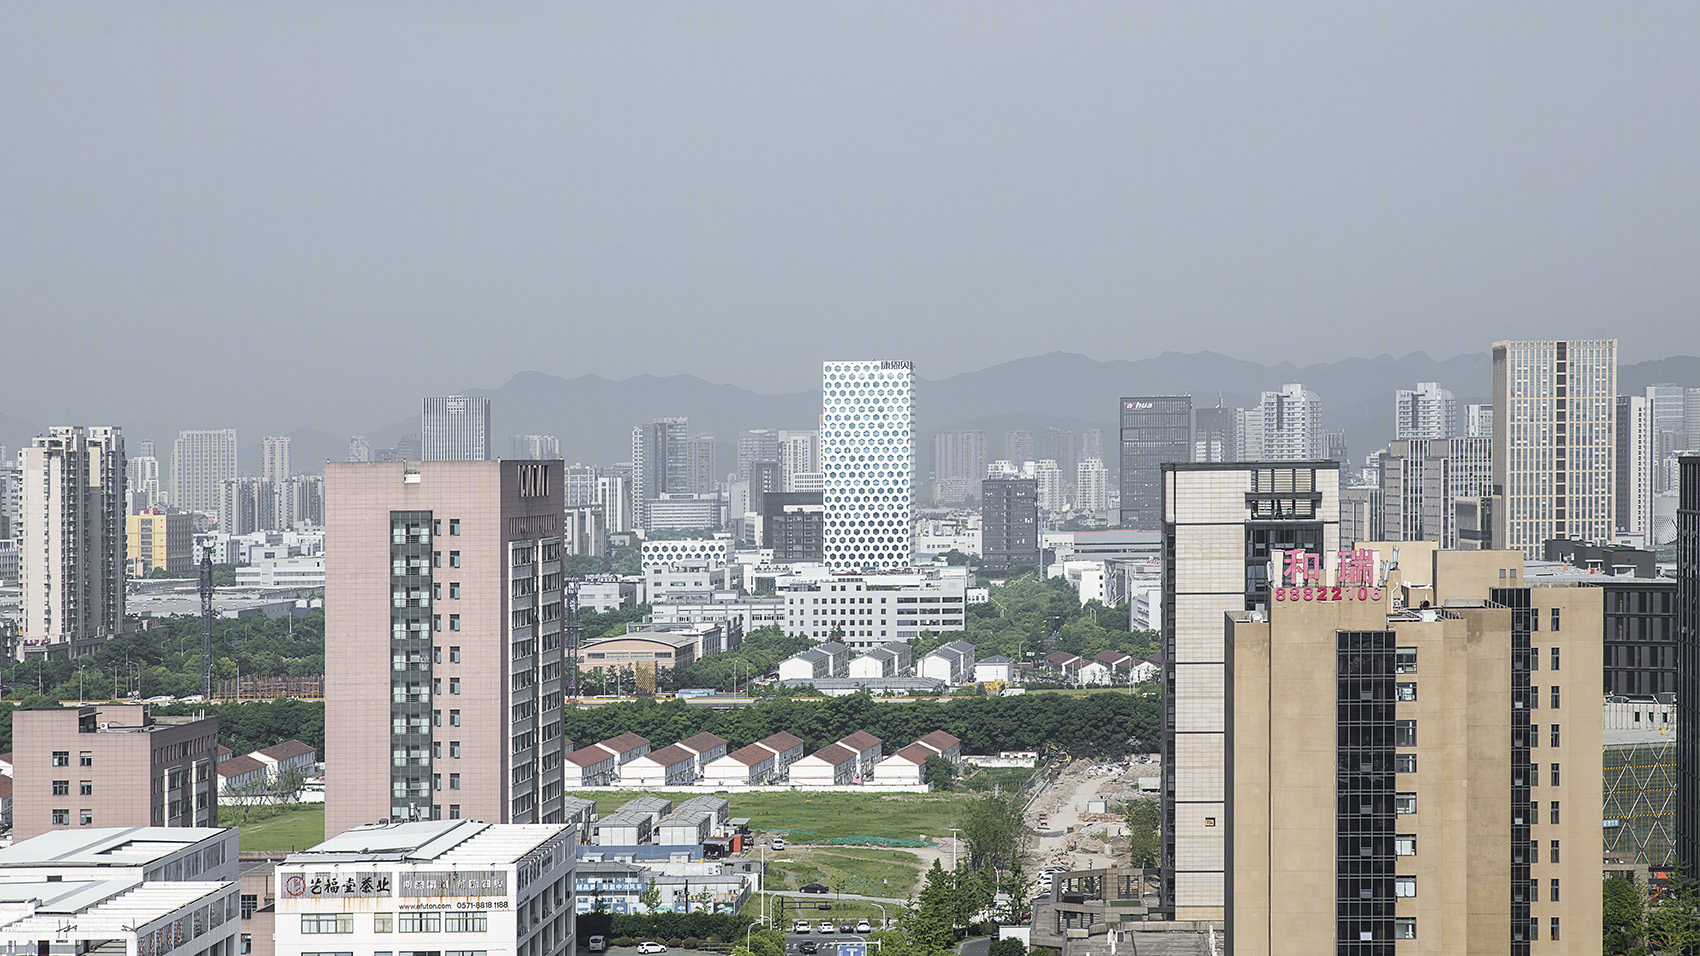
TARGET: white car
(801,926)
(649,947)
(779,843)
(826,926)
(863,927)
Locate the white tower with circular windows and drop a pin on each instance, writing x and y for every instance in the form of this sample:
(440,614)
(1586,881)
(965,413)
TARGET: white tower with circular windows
(867,460)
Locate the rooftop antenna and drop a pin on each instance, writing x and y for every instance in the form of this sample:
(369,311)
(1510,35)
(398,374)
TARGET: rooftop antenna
(206,621)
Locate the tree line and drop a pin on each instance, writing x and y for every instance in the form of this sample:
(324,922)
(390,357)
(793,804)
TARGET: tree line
(165,659)
(1099,726)
(1020,616)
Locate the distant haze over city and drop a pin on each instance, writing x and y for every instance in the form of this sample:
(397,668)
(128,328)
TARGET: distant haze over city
(594,415)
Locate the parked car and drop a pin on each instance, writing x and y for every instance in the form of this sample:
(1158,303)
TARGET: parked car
(597,944)
(650,947)
(816,888)
(846,928)
(801,926)
(779,843)
(863,927)
(826,927)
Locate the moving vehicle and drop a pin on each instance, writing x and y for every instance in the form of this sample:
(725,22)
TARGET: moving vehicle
(815,888)
(779,843)
(801,926)
(597,944)
(650,947)
(808,946)
(863,927)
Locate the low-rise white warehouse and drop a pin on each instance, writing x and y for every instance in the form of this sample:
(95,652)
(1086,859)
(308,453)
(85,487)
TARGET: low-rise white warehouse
(832,765)
(746,767)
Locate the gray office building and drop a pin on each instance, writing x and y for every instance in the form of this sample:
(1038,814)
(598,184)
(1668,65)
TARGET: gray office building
(1155,430)
(1009,524)
(454,428)
(791,526)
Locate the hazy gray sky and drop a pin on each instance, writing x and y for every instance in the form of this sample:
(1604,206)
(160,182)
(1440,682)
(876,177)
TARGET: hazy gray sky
(361,198)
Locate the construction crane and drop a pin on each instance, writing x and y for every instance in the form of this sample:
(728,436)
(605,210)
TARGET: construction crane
(206,623)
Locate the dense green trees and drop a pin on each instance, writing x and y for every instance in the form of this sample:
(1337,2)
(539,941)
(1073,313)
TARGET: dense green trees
(944,907)
(165,659)
(1091,725)
(1673,920)
(1020,616)
(241,727)
(610,623)
(938,772)
(1623,917)
(1144,826)
(762,650)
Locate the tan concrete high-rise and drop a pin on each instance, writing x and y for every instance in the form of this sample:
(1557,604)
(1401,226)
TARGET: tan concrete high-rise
(71,553)
(1222,525)
(444,610)
(1414,760)
(1554,442)
(115,765)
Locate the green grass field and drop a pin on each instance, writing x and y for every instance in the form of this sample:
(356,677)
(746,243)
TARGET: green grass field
(888,873)
(1006,780)
(803,817)
(295,828)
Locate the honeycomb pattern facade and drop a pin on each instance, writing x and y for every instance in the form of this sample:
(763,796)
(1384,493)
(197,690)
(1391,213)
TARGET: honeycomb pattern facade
(867,450)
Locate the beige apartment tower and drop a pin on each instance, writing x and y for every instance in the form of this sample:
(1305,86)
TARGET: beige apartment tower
(114,765)
(444,610)
(1222,524)
(1554,442)
(1414,762)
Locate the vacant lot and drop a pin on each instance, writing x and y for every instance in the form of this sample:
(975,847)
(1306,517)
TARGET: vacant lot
(1005,780)
(860,872)
(803,817)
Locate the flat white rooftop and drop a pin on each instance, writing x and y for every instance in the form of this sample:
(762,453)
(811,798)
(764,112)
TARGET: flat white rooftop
(440,841)
(106,846)
(104,909)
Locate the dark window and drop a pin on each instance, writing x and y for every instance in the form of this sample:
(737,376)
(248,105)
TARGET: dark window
(1404,733)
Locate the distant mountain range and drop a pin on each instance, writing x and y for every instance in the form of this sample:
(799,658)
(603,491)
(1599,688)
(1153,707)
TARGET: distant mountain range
(593,416)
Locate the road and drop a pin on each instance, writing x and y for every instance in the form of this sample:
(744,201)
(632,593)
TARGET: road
(975,947)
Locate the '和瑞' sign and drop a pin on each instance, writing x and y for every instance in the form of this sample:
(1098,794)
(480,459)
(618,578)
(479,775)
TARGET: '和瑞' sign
(1304,577)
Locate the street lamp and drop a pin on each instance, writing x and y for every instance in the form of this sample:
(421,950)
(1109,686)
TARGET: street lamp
(955,841)
(747,931)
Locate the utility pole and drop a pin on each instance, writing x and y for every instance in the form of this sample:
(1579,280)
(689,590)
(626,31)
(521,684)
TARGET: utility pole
(206,622)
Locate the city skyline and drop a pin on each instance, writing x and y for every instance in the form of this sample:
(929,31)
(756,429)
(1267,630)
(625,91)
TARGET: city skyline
(1066,388)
